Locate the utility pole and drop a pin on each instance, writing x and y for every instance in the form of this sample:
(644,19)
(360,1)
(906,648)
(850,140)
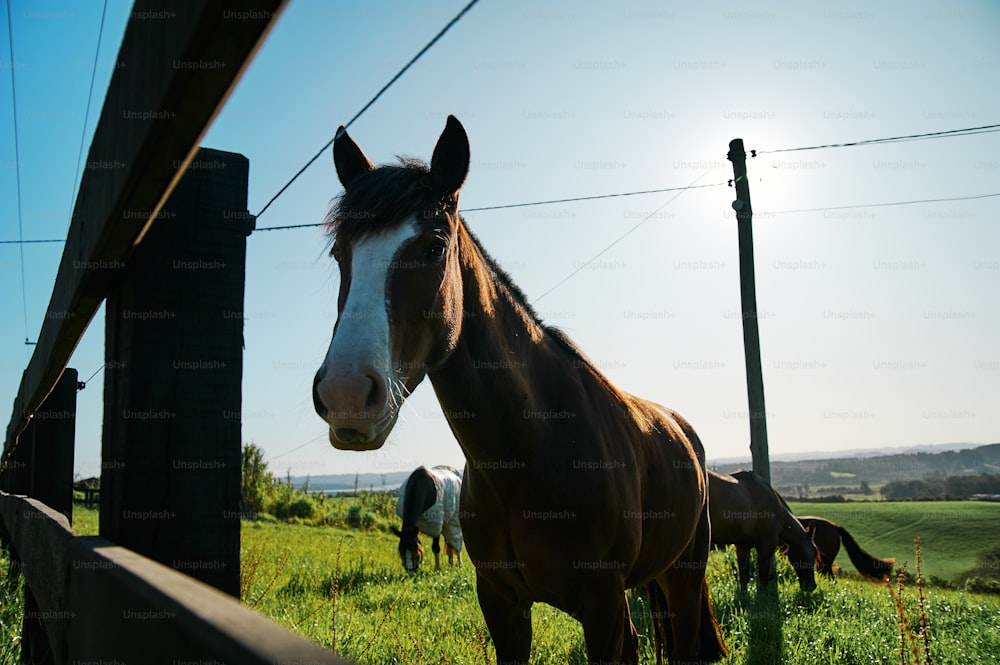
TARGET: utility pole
(748,297)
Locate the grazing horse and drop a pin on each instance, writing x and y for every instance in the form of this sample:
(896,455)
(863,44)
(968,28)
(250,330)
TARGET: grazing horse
(827,537)
(574,490)
(428,503)
(748,513)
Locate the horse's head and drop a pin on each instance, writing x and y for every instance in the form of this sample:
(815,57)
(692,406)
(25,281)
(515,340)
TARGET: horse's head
(802,555)
(399,311)
(411,552)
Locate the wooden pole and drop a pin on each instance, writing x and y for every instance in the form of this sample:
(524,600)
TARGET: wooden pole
(52,437)
(170,481)
(748,297)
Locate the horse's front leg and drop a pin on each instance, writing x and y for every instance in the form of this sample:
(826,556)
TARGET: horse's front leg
(436,548)
(508,619)
(765,563)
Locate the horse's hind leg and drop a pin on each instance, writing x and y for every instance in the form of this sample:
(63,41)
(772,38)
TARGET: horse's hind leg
(630,650)
(604,613)
(696,634)
(453,554)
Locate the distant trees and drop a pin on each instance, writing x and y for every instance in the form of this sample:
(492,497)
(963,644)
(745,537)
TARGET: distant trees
(950,487)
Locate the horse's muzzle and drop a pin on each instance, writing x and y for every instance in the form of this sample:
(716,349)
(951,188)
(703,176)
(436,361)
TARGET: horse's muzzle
(355,407)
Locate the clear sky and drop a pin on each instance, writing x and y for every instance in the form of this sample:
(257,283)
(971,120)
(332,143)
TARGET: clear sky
(879,325)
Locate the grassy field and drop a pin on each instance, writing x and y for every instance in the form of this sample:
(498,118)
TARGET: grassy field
(952,533)
(346,590)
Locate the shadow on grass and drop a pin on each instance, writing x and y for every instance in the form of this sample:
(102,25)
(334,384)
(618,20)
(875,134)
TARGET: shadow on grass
(762,613)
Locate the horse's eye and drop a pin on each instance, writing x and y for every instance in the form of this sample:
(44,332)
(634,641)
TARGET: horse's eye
(436,251)
(335,253)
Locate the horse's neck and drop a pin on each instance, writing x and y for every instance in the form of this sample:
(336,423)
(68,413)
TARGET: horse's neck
(792,526)
(501,358)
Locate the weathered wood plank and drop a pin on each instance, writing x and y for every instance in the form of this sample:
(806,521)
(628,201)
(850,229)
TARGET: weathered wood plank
(104,603)
(40,537)
(177,64)
(133,610)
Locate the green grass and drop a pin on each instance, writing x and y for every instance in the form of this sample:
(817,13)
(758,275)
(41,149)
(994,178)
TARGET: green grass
(11,611)
(346,590)
(85,520)
(952,533)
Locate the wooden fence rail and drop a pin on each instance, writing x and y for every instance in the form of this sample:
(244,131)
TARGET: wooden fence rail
(103,603)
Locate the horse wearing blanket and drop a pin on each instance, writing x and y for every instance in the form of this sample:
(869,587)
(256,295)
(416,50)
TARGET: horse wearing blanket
(428,503)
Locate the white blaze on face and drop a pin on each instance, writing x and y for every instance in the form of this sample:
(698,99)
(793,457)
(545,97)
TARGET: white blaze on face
(408,562)
(362,336)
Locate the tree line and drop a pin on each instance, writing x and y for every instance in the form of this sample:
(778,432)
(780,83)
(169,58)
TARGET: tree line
(946,487)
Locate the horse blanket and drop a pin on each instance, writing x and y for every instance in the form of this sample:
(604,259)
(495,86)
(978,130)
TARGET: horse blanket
(442,517)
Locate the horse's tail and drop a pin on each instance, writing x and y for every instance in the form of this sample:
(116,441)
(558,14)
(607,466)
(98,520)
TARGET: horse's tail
(871,568)
(659,618)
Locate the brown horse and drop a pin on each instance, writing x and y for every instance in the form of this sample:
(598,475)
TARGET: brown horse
(827,537)
(574,490)
(748,513)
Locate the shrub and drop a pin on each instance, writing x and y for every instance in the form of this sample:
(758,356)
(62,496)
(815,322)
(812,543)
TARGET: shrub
(359,519)
(982,585)
(255,481)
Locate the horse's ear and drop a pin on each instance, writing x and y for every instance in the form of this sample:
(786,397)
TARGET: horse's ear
(349,159)
(450,161)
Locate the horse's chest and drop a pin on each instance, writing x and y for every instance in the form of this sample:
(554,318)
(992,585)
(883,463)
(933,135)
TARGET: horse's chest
(541,542)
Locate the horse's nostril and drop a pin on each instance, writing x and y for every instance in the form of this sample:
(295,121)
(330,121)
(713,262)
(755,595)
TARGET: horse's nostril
(317,401)
(375,393)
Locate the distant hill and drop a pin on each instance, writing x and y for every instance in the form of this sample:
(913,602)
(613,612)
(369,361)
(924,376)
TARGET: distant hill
(789,473)
(840,475)
(343,482)
(847,454)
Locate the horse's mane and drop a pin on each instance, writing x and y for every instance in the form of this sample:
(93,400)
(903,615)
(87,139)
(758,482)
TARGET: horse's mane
(380,198)
(417,481)
(559,338)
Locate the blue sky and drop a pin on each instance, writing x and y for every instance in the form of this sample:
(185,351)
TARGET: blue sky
(878,324)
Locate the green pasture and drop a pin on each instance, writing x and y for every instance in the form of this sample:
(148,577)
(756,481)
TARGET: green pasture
(346,590)
(952,533)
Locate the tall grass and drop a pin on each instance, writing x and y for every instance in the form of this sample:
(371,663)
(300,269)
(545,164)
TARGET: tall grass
(11,610)
(910,639)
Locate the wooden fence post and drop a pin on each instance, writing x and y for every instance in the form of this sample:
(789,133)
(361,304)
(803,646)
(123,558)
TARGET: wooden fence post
(42,467)
(748,297)
(171,457)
